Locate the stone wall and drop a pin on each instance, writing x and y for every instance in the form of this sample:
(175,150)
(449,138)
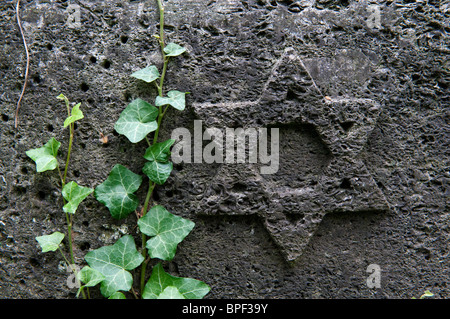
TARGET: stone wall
(358,90)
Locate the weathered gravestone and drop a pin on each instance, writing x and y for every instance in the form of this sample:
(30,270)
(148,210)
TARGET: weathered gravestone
(356,92)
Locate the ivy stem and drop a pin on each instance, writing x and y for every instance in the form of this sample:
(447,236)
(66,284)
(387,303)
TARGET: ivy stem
(71,126)
(74,272)
(155,137)
(69,218)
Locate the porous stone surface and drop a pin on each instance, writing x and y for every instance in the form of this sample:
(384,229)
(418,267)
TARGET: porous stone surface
(358,90)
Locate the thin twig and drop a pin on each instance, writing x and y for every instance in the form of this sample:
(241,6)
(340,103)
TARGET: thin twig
(16,120)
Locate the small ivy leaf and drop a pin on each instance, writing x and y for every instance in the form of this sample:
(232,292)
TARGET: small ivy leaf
(75,115)
(173,49)
(117,295)
(170,292)
(90,277)
(116,192)
(62,97)
(74,194)
(159,152)
(427,294)
(167,231)
(137,120)
(176,99)
(148,74)
(45,156)
(158,172)
(50,242)
(114,263)
(159,280)
(158,168)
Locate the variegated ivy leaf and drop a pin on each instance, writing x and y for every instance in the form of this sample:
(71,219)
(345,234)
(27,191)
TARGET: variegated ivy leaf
(148,74)
(50,242)
(114,263)
(158,167)
(137,120)
(45,156)
(166,230)
(74,194)
(116,192)
(159,280)
(175,98)
(173,49)
(75,115)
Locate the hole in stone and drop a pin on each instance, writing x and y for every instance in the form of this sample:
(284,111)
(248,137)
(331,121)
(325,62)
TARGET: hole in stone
(93,59)
(290,95)
(124,39)
(42,194)
(106,64)
(179,167)
(50,128)
(239,187)
(346,184)
(76,173)
(84,87)
(82,145)
(127,96)
(24,170)
(169,193)
(20,190)
(5,118)
(49,46)
(85,245)
(34,262)
(155,196)
(346,126)
(294,218)
(36,78)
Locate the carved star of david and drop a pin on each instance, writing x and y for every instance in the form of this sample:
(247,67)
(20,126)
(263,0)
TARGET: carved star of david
(292,215)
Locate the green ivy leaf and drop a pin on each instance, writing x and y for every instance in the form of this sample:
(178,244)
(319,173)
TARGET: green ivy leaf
(114,263)
(90,277)
(75,115)
(50,242)
(158,168)
(148,74)
(176,99)
(117,295)
(116,192)
(137,120)
(45,156)
(427,294)
(173,49)
(74,194)
(189,288)
(159,152)
(166,230)
(158,172)
(170,292)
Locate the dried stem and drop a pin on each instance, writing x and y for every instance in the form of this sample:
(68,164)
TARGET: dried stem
(16,119)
